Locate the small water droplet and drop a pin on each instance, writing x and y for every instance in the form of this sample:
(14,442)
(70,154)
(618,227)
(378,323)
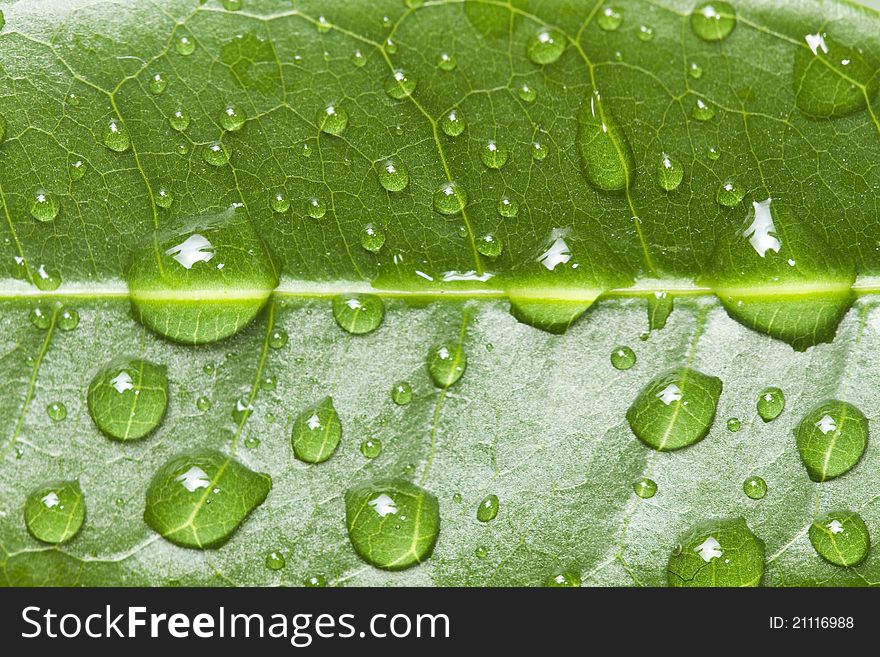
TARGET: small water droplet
(494,155)
(481,552)
(623,358)
(279,202)
(610,18)
(358,313)
(278,338)
(332,120)
(232,119)
(68,319)
(54,512)
(316,581)
(605,153)
(203,404)
(316,432)
(546,46)
(323,25)
(755,488)
(47,279)
(316,208)
(216,154)
(645,33)
(400,85)
(713,153)
(252,442)
(393,176)
(158,84)
(669,173)
(489,246)
(401,393)
(703,111)
(446,62)
(275,560)
(116,136)
(526,93)
(695,70)
(645,488)
(371,448)
(508,207)
(268,382)
(76,168)
(730,194)
(44,206)
(452,124)
(539,151)
(185,46)
(164,198)
(358,59)
(488,508)
(446,364)
(127,398)
(372,238)
(713,20)
(457,498)
(242,410)
(451,198)
(41,317)
(57,411)
(733,424)
(567,579)
(771,403)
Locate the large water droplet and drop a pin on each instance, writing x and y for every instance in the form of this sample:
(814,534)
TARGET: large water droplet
(198,499)
(494,155)
(717,553)
(546,46)
(216,154)
(830,79)
(393,176)
(669,173)
(452,123)
(401,393)
(392,524)
(606,155)
(488,508)
(703,110)
(316,208)
(450,198)
(127,398)
(232,119)
(831,439)
(675,409)
(730,194)
(714,20)
(203,282)
(116,136)
(489,246)
(372,238)
(54,512)
(44,206)
(358,313)
(609,18)
(400,85)
(446,364)
(332,120)
(316,432)
(841,537)
(771,402)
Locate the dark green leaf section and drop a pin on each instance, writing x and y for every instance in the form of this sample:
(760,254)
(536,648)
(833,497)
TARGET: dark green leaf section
(198,499)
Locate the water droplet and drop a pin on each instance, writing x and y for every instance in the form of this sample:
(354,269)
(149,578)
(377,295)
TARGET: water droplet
(446,62)
(158,84)
(203,404)
(68,319)
(399,85)
(316,581)
(695,70)
(127,398)
(539,151)
(185,46)
(164,198)
(209,368)
(755,487)
(332,120)
(278,338)
(446,364)
(508,207)
(730,194)
(703,111)
(179,120)
(457,498)
(47,279)
(179,281)
(269,382)
(72,99)
(488,508)
(232,119)
(242,410)
(371,448)
(771,401)
(733,424)
(481,552)
(392,524)
(713,153)
(76,168)
(645,488)
(526,93)
(675,409)
(44,206)
(546,46)
(831,79)
(182,149)
(279,202)
(489,246)
(316,208)
(645,33)
(567,579)
(841,537)
(54,512)
(713,20)
(56,411)
(610,18)
(216,154)
(275,560)
(358,59)
(494,155)
(372,238)
(606,155)
(393,176)
(451,198)
(623,358)
(717,553)
(390,47)
(252,442)
(669,173)
(831,439)
(316,432)
(452,124)
(323,26)
(358,313)
(198,499)
(41,317)
(401,393)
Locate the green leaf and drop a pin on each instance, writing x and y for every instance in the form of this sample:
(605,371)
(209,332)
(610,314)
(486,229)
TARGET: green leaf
(503,188)
(841,537)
